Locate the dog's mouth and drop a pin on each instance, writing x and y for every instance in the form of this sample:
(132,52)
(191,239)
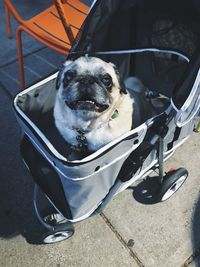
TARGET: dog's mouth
(87,104)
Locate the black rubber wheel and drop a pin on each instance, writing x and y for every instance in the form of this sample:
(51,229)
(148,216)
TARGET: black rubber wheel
(61,229)
(172,182)
(53,236)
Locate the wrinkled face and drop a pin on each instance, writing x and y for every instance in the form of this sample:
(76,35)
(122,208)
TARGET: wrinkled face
(89,86)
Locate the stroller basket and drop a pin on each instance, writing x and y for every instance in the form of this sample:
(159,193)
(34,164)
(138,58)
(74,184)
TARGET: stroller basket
(83,184)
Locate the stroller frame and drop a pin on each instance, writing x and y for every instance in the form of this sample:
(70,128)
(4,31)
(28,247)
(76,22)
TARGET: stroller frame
(81,188)
(59,231)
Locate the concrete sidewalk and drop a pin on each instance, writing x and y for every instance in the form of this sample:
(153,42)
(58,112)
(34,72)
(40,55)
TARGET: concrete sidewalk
(127,233)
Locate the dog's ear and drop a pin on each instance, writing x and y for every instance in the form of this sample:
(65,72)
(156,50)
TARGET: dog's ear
(121,83)
(122,88)
(60,72)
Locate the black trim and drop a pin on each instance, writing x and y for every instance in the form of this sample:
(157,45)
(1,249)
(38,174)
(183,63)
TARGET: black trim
(184,87)
(45,176)
(135,161)
(176,136)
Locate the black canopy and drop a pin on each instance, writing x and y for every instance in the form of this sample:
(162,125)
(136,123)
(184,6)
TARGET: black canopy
(129,24)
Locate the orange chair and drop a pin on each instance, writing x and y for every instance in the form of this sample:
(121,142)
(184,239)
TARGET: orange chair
(56,27)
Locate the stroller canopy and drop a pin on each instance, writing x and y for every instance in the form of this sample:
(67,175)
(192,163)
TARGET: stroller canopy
(115,25)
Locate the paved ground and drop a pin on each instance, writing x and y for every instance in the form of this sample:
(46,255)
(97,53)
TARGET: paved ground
(127,233)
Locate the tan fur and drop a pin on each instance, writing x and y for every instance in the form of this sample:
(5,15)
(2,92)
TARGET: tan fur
(101,129)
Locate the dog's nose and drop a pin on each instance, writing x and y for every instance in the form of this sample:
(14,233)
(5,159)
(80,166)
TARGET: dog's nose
(87,80)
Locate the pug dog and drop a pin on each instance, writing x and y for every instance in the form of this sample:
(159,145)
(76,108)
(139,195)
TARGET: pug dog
(92,106)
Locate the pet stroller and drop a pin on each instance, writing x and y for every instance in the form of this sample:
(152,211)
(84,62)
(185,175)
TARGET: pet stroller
(156,42)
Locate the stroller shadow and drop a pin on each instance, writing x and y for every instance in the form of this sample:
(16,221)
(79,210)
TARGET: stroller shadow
(16,185)
(146,192)
(16,198)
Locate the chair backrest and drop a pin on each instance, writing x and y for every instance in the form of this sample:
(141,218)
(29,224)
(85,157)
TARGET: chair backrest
(61,12)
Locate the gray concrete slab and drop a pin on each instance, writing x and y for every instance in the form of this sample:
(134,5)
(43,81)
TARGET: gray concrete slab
(167,233)
(93,245)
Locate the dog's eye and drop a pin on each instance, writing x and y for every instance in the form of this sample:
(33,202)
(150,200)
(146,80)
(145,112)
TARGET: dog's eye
(107,80)
(68,76)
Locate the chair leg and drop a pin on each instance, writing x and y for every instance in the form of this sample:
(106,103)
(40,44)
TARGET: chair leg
(8,24)
(20,57)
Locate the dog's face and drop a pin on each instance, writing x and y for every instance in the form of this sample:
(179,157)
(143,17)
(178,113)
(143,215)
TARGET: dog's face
(89,86)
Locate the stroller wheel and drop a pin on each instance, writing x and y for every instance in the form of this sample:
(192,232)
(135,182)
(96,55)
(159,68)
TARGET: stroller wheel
(59,231)
(54,236)
(172,182)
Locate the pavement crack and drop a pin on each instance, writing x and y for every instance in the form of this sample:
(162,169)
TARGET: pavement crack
(122,241)
(192,258)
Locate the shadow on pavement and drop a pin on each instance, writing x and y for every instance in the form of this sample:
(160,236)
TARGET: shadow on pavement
(146,191)
(16,185)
